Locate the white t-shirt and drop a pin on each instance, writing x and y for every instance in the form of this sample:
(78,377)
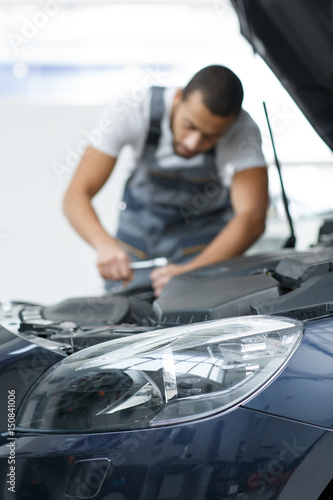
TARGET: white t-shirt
(126,122)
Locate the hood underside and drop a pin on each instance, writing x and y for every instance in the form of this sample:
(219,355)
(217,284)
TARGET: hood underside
(295,39)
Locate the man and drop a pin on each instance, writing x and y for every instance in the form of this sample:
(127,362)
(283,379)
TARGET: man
(198,193)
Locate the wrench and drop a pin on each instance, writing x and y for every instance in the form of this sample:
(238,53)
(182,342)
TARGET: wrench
(146,264)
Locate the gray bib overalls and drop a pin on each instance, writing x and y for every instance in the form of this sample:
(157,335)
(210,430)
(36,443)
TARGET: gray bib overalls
(172,212)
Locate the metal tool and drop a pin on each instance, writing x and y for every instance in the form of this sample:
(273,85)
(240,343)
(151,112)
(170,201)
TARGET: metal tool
(145,264)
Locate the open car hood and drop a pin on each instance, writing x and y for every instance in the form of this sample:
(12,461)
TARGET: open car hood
(295,39)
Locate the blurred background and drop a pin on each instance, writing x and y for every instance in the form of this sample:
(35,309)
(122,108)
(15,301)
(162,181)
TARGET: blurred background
(61,61)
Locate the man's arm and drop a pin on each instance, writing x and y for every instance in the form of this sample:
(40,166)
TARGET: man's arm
(92,173)
(249,199)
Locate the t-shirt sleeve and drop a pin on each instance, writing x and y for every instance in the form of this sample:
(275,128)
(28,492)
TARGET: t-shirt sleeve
(240,148)
(123,122)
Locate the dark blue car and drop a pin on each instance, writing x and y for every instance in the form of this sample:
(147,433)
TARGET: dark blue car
(219,389)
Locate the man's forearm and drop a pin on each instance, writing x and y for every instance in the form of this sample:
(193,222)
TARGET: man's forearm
(91,175)
(234,239)
(249,198)
(82,216)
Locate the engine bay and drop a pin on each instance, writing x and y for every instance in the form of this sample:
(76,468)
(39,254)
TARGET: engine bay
(288,283)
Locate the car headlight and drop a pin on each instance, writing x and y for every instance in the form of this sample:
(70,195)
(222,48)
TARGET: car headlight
(161,377)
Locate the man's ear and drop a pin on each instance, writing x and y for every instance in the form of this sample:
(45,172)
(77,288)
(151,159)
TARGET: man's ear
(178,96)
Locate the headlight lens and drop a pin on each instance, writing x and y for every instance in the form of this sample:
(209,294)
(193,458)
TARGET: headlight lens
(161,377)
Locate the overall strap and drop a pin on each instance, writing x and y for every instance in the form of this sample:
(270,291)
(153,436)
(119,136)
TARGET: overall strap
(156,114)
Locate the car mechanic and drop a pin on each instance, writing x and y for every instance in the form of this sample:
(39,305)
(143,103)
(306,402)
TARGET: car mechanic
(198,193)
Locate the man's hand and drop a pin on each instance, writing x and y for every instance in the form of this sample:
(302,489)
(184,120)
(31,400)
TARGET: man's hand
(113,263)
(162,275)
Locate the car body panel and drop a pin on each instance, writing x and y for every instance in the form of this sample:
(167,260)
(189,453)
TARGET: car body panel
(242,452)
(238,454)
(295,39)
(21,363)
(304,390)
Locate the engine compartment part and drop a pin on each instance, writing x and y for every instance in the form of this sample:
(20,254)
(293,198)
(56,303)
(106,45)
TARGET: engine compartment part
(293,272)
(313,300)
(107,308)
(213,298)
(293,284)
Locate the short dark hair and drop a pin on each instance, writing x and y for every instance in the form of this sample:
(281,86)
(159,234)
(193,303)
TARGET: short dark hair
(221,89)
